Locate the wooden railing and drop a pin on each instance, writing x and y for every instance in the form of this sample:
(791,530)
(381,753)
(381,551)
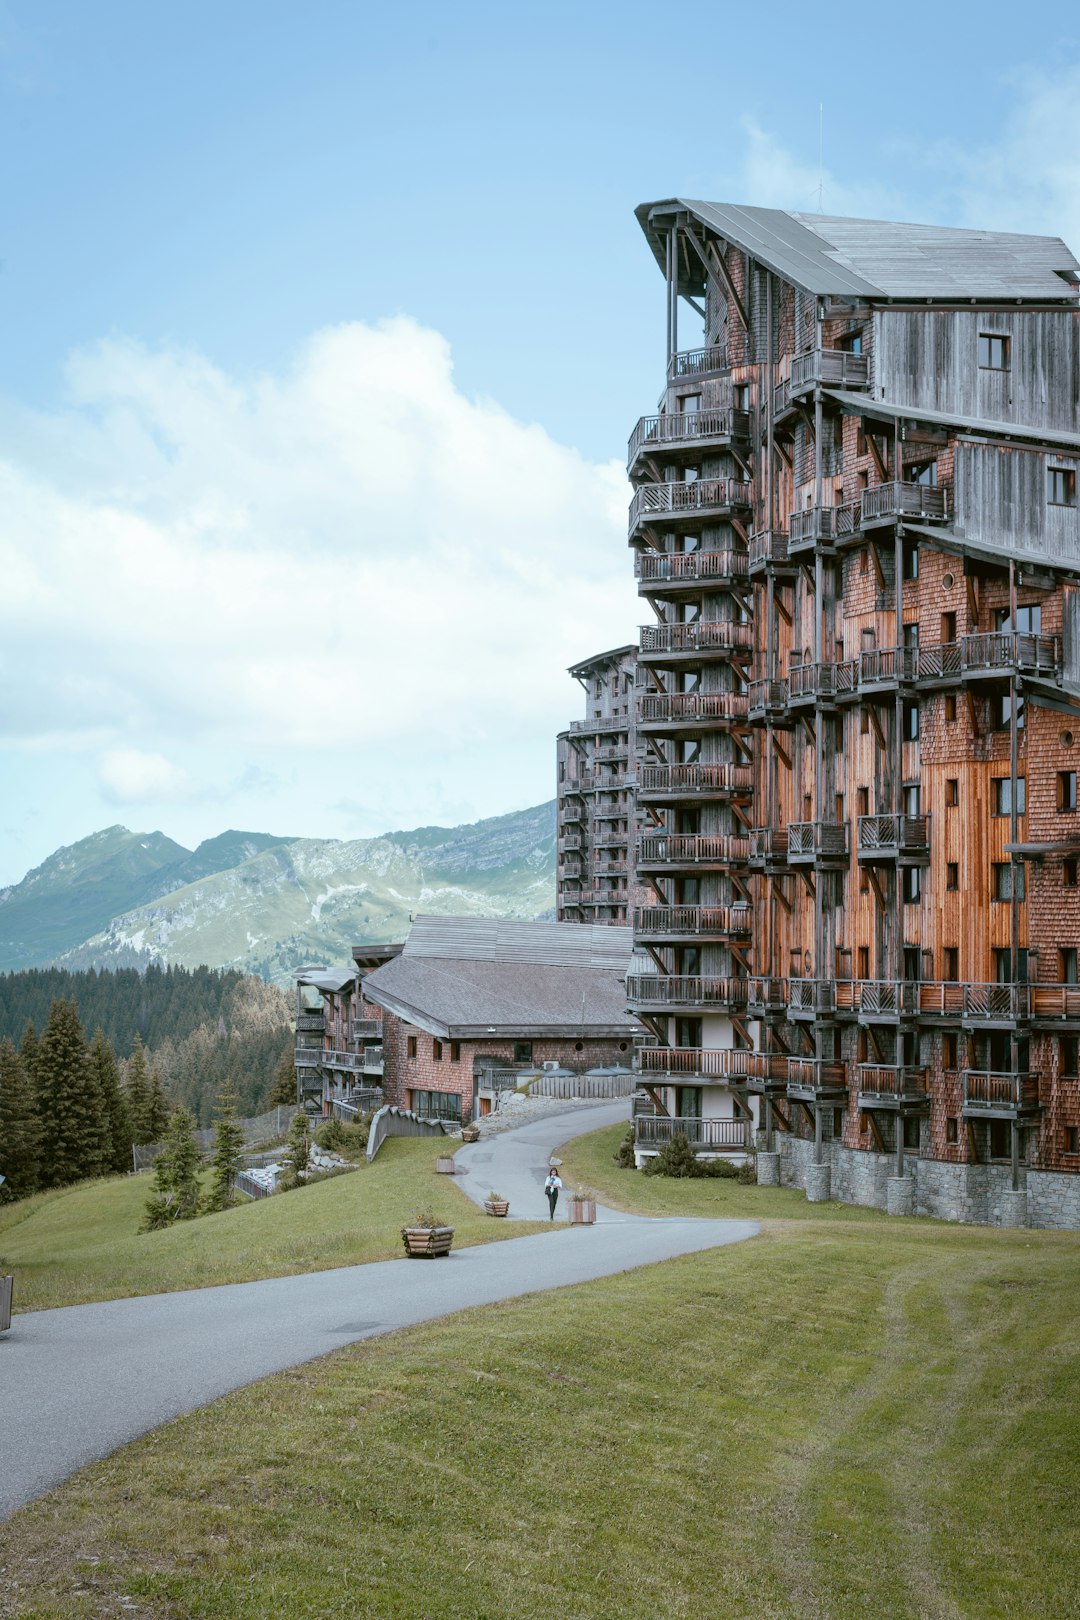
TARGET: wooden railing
(992,650)
(810,839)
(659,707)
(713,1063)
(768,546)
(888,664)
(656,567)
(822,523)
(1051,1001)
(685,427)
(653,1130)
(989,1089)
(764,695)
(768,843)
(767,993)
(694,495)
(698,362)
(685,990)
(891,1080)
(809,681)
(894,835)
(814,1074)
(312,1023)
(725,636)
(688,849)
(708,921)
(598,725)
(723,777)
(571,841)
(837,368)
(816,996)
(366,1029)
(898,499)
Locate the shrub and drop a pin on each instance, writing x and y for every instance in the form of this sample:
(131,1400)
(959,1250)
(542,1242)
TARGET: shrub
(677,1158)
(624,1158)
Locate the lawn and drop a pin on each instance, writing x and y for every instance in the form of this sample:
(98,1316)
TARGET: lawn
(83,1243)
(840,1420)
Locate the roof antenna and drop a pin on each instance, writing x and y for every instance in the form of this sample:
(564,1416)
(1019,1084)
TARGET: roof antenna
(821,155)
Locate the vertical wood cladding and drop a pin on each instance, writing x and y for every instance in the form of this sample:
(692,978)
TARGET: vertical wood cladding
(907,830)
(595,766)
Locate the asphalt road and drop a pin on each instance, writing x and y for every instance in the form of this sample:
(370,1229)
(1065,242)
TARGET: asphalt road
(78,1382)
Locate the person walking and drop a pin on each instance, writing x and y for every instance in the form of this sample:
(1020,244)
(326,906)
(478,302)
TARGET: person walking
(553,1187)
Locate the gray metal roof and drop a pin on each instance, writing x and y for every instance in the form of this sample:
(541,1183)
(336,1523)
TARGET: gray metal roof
(874,259)
(886,410)
(495,939)
(330,983)
(617,655)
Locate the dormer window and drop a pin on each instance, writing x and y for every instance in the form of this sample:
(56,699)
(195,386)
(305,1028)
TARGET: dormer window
(993,352)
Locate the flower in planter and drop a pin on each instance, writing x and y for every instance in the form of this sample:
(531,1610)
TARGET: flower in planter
(425,1221)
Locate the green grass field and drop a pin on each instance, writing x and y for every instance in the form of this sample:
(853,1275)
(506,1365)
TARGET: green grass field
(82,1244)
(843,1419)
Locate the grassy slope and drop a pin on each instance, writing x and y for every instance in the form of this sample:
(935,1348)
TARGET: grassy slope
(66,1248)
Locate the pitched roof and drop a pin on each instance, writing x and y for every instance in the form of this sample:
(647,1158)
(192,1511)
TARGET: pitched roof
(462,977)
(873,258)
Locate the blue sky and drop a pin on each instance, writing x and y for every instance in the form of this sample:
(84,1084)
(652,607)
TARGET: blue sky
(322,329)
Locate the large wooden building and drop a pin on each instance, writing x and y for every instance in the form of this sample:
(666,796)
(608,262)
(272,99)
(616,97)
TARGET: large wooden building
(855,523)
(594,879)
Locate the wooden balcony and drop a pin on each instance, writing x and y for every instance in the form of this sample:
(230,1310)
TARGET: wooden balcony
(887,502)
(811,998)
(824,843)
(882,669)
(769,549)
(310,1023)
(1051,1004)
(692,851)
(768,701)
(995,654)
(662,992)
(571,812)
(704,1135)
(663,573)
(767,996)
(813,1080)
(676,711)
(570,842)
(881,1001)
(697,500)
(711,1063)
(833,368)
(996,1006)
(811,683)
(599,725)
(680,430)
(570,869)
(886,840)
(659,783)
(996,1095)
(769,848)
(610,753)
(698,362)
(669,924)
(367,1029)
(894,1086)
(308,1057)
(821,526)
(698,642)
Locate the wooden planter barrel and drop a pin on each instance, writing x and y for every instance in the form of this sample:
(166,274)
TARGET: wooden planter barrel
(6,1284)
(444,1164)
(582,1211)
(497,1206)
(427,1242)
(470,1134)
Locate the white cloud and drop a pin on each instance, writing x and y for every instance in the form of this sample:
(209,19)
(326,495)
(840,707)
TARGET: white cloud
(352,554)
(129,777)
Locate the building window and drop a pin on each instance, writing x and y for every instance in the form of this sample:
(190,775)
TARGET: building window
(910,564)
(523,1052)
(852,344)
(1007,880)
(455,1051)
(1068,873)
(950,1045)
(1003,795)
(1068,1057)
(864,722)
(436,1051)
(952,874)
(952,791)
(950,964)
(912,883)
(1061,486)
(862,796)
(950,709)
(948,628)
(911,721)
(864,961)
(741,395)
(1072,1139)
(1066,790)
(952,1134)
(437,1105)
(410,1046)
(993,352)
(1067,964)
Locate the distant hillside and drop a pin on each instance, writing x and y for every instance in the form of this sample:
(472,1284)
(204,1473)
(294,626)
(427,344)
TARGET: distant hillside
(80,889)
(293,902)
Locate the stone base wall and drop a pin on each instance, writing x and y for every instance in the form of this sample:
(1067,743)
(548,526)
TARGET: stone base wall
(978,1194)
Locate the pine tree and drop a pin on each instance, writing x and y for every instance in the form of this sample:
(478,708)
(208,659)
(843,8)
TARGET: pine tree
(283,1091)
(28,1054)
(20,1140)
(228,1149)
(107,1075)
(73,1124)
(296,1160)
(138,1094)
(676,1158)
(176,1176)
(157,1108)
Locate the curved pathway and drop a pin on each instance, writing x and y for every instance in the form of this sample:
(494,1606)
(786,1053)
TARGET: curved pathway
(77,1382)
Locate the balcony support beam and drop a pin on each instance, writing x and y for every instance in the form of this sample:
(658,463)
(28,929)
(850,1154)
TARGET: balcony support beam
(875,560)
(868,1115)
(654,1098)
(875,725)
(780,1117)
(875,884)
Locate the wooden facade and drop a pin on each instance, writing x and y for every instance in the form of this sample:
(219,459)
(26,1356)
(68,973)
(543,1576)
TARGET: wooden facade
(855,523)
(596,768)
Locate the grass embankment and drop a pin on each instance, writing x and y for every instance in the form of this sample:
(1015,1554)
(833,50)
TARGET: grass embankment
(842,1419)
(82,1244)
